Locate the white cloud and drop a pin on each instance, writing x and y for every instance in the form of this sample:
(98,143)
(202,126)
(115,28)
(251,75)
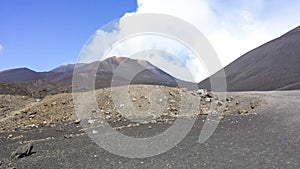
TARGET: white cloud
(233,29)
(1,48)
(167,54)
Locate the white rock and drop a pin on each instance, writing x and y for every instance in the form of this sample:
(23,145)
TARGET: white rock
(91,121)
(207,99)
(94,132)
(121,106)
(202,92)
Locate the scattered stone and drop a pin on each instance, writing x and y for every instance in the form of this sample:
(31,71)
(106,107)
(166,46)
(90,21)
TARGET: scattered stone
(17,137)
(24,97)
(32,113)
(24,111)
(91,121)
(207,99)
(77,121)
(22,151)
(243,111)
(173,108)
(253,105)
(201,92)
(149,127)
(220,103)
(237,102)
(172,101)
(134,99)
(210,95)
(9,136)
(107,117)
(33,125)
(229,99)
(143,97)
(171,93)
(38,100)
(69,136)
(31,116)
(66,117)
(94,132)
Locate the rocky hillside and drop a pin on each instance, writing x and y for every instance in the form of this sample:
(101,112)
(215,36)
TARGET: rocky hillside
(22,112)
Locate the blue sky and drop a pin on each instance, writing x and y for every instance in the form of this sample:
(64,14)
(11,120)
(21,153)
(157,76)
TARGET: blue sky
(44,34)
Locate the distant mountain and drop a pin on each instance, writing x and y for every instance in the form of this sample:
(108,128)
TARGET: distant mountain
(272,66)
(19,75)
(39,84)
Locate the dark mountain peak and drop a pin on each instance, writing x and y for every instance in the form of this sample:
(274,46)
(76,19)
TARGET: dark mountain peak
(19,74)
(23,69)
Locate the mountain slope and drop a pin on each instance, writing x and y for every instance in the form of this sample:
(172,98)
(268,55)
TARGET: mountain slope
(19,74)
(59,80)
(272,66)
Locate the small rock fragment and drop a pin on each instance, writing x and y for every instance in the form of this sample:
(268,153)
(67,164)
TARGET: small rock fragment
(94,132)
(220,103)
(171,93)
(22,151)
(172,101)
(121,106)
(243,111)
(207,99)
(91,121)
(229,99)
(9,136)
(32,113)
(201,92)
(77,121)
(210,95)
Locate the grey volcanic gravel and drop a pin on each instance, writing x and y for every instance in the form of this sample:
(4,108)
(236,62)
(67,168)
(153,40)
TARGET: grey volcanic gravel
(268,139)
